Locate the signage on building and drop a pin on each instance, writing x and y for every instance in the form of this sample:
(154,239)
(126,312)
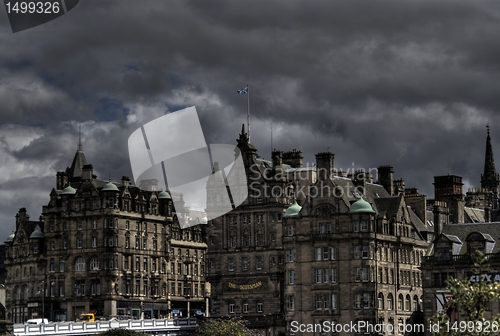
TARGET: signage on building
(484,277)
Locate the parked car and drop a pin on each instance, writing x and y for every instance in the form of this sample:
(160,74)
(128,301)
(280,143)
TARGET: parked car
(37,321)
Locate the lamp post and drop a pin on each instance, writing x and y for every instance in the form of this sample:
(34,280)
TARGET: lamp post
(43,300)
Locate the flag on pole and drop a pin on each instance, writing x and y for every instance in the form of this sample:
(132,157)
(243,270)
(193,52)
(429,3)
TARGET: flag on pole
(243,91)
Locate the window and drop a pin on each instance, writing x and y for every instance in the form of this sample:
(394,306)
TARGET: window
(400,302)
(145,264)
(231,308)
(231,264)
(291,302)
(333,277)
(246,240)
(380,301)
(365,253)
(326,274)
(233,241)
(94,264)
(291,255)
(52,245)
(334,301)
(61,266)
(291,277)
(127,242)
(390,302)
(137,264)
(80,264)
(367,300)
(290,230)
(79,242)
(52,265)
(415,303)
(245,307)
(407,302)
(260,307)
(258,263)
(318,253)
(244,263)
(333,253)
(94,241)
(318,275)
(322,228)
(260,239)
(364,226)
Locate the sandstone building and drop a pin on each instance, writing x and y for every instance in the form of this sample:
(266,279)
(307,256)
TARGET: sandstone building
(106,247)
(314,244)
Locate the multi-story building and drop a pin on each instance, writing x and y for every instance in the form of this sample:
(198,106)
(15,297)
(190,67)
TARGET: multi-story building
(460,228)
(106,247)
(320,245)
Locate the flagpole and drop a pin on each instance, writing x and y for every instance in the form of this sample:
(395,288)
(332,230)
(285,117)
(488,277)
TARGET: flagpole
(248,111)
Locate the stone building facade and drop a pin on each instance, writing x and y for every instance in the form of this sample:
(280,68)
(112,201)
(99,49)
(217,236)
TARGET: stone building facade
(322,245)
(106,247)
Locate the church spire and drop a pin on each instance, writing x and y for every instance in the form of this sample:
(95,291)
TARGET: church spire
(80,138)
(490,179)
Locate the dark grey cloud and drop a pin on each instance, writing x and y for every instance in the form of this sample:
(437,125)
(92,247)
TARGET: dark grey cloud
(409,83)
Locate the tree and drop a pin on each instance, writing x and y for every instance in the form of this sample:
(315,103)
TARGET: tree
(469,301)
(225,327)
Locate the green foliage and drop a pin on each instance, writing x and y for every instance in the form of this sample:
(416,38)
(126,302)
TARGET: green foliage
(121,332)
(230,327)
(470,300)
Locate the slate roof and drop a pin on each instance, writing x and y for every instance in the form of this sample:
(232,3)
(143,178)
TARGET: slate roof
(461,231)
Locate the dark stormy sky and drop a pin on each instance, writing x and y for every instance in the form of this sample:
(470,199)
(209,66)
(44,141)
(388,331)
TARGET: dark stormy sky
(406,83)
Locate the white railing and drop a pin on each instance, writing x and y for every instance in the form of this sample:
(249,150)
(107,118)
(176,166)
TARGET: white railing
(171,327)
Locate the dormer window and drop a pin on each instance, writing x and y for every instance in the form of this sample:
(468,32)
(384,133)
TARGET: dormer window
(443,253)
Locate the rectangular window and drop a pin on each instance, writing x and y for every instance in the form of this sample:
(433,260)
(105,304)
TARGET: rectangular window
(231,264)
(334,301)
(137,264)
(366,274)
(365,252)
(364,226)
(291,302)
(244,263)
(260,240)
(258,263)
(333,253)
(333,277)
(291,277)
(326,274)
(318,253)
(79,243)
(231,308)
(319,301)
(245,307)
(233,241)
(356,226)
(260,307)
(322,227)
(326,253)
(366,300)
(318,275)
(291,255)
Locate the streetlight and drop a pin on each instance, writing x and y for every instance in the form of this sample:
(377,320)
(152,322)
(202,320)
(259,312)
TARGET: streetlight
(42,292)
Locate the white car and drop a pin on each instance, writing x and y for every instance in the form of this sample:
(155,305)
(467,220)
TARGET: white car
(37,321)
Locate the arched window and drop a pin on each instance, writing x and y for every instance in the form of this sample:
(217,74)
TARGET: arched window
(94,264)
(80,264)
(407,302)
(25,292)
(400,302)
(390,302)
(380,301)
(18,293)
(415,303)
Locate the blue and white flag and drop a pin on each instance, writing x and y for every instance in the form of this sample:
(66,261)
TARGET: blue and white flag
(243,91)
